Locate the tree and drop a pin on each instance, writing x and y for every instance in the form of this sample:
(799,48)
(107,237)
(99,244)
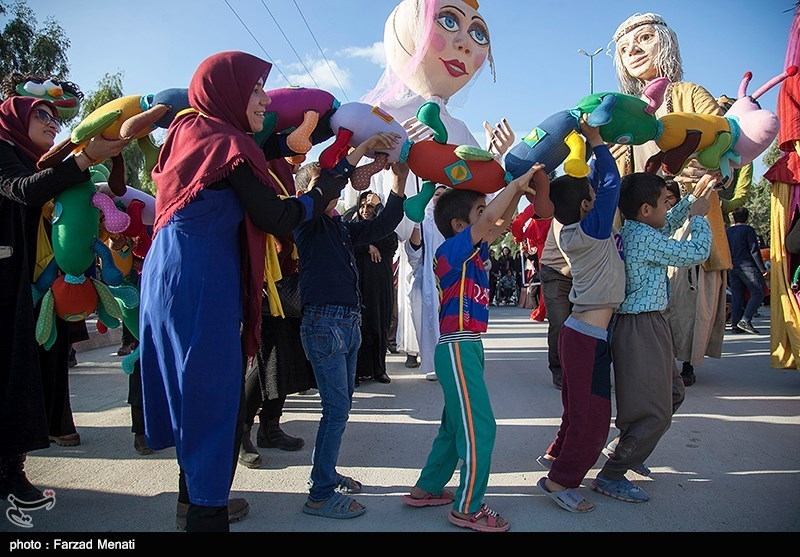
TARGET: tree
(26,47)
(760,197)
(109,88)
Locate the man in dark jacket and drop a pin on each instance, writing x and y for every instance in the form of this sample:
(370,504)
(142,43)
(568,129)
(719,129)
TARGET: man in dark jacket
(747,274)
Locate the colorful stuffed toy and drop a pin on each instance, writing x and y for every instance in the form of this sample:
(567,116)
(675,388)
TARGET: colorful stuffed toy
(352,124)
(460,167)
(622,119)
(63,94)
(63,287)
(300,114)
(434,161)
(719,142)
(127,247)
(131,117)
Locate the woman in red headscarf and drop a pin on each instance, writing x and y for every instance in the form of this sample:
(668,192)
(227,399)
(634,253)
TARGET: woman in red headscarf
(202,279)
(29,376)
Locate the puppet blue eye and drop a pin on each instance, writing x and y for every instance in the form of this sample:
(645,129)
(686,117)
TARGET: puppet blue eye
(448,22)
(479,36)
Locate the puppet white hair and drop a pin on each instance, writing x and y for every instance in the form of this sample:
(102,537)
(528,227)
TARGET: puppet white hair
(668,60)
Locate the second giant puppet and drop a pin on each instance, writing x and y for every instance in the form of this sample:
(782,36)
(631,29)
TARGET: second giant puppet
(434,48)
(784,176)
(647,49)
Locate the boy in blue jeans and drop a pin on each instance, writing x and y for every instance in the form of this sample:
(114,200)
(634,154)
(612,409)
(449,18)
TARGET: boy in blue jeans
(586,208)
(644,360)
(331,327)
(467,430)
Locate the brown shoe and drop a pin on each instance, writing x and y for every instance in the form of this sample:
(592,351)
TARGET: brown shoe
(71,440)
(237,510)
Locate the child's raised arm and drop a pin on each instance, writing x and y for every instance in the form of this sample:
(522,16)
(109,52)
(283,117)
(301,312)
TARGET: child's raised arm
(381,141)
(497,214)
(400,174)
(606,183)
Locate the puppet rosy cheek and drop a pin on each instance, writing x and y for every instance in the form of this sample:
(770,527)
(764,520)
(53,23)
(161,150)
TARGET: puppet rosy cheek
(479,60)
(438,42)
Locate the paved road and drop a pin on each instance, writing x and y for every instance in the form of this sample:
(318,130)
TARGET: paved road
(730,462)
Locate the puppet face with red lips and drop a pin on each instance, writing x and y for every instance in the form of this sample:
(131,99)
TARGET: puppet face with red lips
(458,47)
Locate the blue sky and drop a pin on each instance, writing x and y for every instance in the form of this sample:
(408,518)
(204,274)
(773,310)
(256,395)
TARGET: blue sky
(158,45)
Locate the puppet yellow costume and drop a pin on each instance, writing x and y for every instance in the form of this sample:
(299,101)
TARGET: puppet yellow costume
(785,206)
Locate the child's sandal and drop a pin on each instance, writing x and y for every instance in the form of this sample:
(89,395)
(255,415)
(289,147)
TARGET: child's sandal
(472,522)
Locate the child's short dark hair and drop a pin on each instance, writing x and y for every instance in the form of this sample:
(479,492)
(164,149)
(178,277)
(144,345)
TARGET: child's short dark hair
(454,204)
(740,215)
(305,175)
(567,193)
(637,189)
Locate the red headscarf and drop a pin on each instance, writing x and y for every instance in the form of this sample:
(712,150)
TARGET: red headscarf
(15,118)
(205,146)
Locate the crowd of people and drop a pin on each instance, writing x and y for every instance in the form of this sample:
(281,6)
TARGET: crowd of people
(256,288)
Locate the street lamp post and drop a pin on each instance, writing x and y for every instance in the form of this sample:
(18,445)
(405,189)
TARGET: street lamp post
(591,66)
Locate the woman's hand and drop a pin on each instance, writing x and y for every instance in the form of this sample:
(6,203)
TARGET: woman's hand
(100,148)
(375,254)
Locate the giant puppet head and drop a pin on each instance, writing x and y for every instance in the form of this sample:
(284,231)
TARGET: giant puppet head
(646,49)
(434,48)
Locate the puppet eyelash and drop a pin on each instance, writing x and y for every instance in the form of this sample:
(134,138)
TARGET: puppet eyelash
(450,14)
(483,30)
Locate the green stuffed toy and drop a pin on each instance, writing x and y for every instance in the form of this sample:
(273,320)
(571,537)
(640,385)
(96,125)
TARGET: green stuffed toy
(63,94)
(63,288)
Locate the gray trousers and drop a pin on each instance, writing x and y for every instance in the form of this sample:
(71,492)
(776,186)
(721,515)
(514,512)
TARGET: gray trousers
(555,290)
(648,388)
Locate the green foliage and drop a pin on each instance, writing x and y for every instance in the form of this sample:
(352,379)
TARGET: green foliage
(27,47)
(759,206)
(109,88)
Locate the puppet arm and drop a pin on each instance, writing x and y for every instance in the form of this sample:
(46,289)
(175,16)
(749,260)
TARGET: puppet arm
(741,193)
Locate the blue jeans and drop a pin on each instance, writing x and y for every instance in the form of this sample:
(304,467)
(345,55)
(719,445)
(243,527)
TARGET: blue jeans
(745,277)
(331,337)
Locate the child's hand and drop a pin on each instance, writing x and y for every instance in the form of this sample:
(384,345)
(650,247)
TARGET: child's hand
(400,170)
(381,141)
(522,185)
(416,130)
(499,139)
(591,134)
